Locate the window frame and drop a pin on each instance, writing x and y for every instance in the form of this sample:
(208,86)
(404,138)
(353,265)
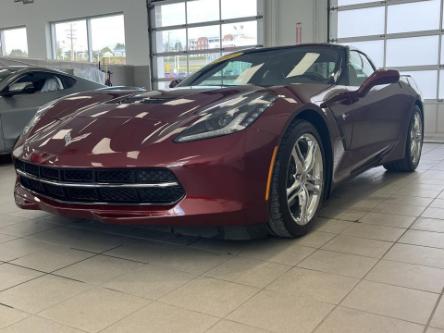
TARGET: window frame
(334,9)
(361,55)
(153,29)
(60,76)
(2,39)
(87,19)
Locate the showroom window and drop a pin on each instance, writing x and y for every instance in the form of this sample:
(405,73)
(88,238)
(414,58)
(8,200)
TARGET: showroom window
(91,39)
(402,34)
(14,42)
(189,34)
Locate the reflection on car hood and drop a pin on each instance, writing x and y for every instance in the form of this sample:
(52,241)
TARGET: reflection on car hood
(128,123)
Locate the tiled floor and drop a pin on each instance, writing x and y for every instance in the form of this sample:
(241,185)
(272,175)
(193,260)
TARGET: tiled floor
(374,263)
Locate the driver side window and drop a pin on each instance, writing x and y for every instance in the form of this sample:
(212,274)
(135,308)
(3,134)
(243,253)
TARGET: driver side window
(359,68)
(37,82)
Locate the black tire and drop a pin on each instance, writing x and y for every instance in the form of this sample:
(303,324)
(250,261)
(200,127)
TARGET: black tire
(408,163)
(281,223)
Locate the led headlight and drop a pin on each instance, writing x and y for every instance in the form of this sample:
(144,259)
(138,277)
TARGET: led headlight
(228,117)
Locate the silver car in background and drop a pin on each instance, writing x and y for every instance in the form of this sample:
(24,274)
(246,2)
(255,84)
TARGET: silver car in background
(24,89)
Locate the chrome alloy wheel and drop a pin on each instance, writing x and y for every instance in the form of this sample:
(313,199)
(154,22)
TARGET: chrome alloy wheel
(305,179)
(416,138)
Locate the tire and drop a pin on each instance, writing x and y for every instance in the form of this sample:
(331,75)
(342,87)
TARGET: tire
(287,218)
(415,138)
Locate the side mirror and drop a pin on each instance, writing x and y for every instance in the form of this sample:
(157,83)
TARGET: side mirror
(381,76)
(174,83)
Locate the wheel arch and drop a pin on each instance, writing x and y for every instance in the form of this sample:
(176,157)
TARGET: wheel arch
(420,105)
(316,119)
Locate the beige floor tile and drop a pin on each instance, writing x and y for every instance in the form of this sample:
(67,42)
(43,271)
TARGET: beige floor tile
(281,313)
(339,263)
(315,239)
(225,326)
(78,239)
(9,316)
(6,238)
(41,293)
(149,281)
(438,317)
(159,318)
(342,214)
(333,226)
(210,296)
(388,220)
(427,224)
(39,325)
(406,201)
(434,213)
(400,209)
(175,257)
(364,230)
(98,269)
(11,275)
(27,227)
(434,330)
(53,258)
(280,251)
(418,255)
(423,238)
(437,203)
(218,246)
(324,287)
(391,301)
(345,320)
(255,273)
(94,310)
(20,247)
(408,275)
(359,246)
(138,250)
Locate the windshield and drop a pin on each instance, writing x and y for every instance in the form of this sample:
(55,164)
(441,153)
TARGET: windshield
(270,68)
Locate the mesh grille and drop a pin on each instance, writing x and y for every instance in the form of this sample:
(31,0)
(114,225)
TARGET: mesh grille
(119,195)
(115,176)
(81,176)
(102,177)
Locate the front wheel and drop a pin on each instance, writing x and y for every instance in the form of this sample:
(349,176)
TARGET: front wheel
(298,181)
(414,145)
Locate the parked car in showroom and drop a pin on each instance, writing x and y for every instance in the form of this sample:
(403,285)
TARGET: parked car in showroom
(261,146)
(24,89)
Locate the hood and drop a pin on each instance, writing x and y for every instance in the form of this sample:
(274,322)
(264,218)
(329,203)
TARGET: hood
(131,125)
(124,125)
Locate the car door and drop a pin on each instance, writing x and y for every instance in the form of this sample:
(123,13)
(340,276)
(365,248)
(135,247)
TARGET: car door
(377,125)
(17,110)
(370,123)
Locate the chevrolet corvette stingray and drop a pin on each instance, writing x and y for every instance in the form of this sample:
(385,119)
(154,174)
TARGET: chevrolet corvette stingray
(257,138)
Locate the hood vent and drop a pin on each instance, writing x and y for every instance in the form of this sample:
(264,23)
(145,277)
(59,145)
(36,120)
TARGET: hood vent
(142,100)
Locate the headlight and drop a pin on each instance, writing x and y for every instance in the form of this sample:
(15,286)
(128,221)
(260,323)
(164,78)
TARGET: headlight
(40,112)
(229,117)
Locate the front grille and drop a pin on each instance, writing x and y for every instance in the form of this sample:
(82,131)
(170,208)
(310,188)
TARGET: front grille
(102,186)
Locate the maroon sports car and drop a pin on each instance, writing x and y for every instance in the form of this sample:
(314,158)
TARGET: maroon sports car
(257,138)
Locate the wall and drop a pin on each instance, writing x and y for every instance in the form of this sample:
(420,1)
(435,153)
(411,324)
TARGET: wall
(281,17)
(37,15)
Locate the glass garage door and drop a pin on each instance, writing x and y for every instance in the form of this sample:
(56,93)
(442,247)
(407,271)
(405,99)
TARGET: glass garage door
(401,34)
(189,34)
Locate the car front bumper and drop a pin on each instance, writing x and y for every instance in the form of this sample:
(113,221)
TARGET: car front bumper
(222,188)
